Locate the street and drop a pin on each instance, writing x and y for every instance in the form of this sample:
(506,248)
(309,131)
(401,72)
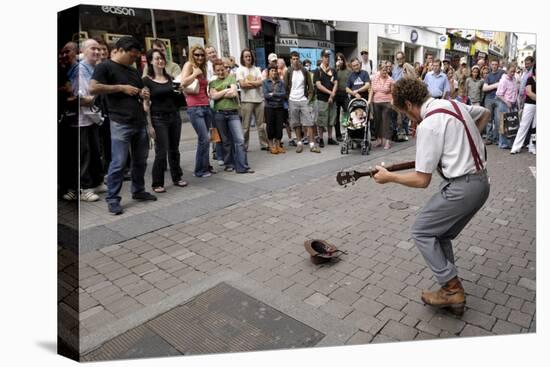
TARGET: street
(240,238)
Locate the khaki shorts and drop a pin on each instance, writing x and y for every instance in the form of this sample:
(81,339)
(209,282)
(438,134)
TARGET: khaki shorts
(326,115)
(300,114)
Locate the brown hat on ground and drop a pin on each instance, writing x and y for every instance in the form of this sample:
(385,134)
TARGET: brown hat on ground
(321,251)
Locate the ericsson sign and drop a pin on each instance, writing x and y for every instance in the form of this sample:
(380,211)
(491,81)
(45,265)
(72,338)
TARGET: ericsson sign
(119,10)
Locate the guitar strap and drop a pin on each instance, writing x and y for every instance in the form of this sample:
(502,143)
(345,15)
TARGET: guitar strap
(473,149)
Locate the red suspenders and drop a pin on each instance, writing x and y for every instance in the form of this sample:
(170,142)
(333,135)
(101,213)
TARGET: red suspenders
(458,115)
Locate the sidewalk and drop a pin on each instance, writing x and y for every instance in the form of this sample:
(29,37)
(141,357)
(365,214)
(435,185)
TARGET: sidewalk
(249,236)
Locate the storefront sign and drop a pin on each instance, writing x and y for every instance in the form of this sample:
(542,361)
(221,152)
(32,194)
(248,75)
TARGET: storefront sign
(457,46)
(288,42)
(295,42)
(254,24)
(119,10)
(392,29)
(312,54)
(496,49)
(414,36)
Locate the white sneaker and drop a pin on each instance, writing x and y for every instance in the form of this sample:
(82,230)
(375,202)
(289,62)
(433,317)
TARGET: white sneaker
(100,189)
(88,195)
(220,163)
(70,195)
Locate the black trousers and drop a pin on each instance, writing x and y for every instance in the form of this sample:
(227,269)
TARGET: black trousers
(91,170)
(168,134)
(67,158)
(275,120)
(341,101)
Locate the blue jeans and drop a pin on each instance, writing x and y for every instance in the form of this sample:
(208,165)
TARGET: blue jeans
(491,130)
(201,119)
(231,132)
(504,143)
(122,137)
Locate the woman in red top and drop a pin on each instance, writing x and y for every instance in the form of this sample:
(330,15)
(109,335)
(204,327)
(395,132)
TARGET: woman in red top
(380,98)
(198,107)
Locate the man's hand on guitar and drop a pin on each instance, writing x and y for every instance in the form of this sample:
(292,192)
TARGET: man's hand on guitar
(383,176)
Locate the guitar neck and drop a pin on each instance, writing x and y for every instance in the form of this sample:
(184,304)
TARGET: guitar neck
(392,168)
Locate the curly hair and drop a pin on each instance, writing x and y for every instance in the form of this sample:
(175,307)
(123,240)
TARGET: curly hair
(409,89)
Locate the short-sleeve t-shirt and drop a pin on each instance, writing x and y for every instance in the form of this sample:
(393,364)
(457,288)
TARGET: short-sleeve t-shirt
(442,137)
(224,104)
(357,81)
(122,108)
(162,96)
(327,80)
(250,74)
(533,83)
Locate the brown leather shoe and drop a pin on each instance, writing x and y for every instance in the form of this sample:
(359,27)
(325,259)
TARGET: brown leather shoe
(450,296)
(280,149)
(274,150)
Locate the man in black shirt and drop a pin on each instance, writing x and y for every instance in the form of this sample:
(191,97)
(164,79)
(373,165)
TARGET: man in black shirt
(327,84)
(125,93)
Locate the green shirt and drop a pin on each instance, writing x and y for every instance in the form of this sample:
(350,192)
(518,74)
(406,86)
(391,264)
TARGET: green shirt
(224,104)
(342,76)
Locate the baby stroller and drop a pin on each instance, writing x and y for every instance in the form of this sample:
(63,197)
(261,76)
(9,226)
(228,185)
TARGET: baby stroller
(357,127)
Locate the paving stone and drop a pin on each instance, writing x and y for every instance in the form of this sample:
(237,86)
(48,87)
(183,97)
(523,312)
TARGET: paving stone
(389,313)
(501,312)
(365,322)
(345,295)
(359,337)
(428,328)
(337,309)
(380,338)
(398,331)
(479,319)
(529,284)
(480,305)
(371,291)
(477,250)
(150,297)
(519,292)
(503,327)
(418,311)
(299,291)
(317,300)
(520,318)
(368,306)
(278,283)
(471,330)
(392,300)
(496,297)
(447,323)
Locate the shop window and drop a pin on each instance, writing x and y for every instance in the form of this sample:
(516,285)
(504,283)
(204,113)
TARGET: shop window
(285,27)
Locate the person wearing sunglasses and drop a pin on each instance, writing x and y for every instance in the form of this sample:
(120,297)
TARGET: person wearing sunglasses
(198,108)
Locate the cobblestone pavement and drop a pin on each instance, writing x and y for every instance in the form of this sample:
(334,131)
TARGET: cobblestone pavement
(255,243)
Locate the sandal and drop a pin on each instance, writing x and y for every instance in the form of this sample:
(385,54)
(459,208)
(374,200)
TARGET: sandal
(159,189)
(180,183)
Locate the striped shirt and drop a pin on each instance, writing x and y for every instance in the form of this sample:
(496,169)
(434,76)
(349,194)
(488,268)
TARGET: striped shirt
(381,89)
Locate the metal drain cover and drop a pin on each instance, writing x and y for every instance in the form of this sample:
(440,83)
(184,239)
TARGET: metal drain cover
(224,319)
(220,320)
(399,205)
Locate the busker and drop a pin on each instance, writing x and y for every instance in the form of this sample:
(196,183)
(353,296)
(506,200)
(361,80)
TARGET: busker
(448,140)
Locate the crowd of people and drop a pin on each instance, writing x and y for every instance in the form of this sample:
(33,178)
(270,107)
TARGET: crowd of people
(120,111)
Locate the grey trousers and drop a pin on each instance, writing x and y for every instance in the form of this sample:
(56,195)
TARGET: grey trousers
(444,217)
(257,109)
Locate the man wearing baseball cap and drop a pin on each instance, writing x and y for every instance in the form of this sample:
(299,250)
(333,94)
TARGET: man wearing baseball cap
(326,83)
(366,63)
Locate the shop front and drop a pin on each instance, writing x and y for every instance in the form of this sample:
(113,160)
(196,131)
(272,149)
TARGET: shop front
(177,29)
(457,48)
(308,38)
(414,42)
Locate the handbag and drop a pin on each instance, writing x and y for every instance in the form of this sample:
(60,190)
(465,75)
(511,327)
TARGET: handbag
(215,135)
(192,88)
(509,124)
